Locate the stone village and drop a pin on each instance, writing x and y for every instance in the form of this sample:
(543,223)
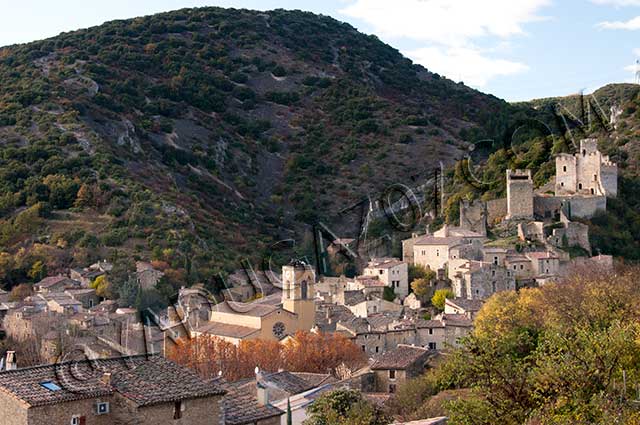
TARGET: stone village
(529,238)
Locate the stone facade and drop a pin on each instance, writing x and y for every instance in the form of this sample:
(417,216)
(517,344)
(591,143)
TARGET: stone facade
(588,172)
(473,216)
(519,194)
(479,280)
(575,206)
(496,210)
(393,273)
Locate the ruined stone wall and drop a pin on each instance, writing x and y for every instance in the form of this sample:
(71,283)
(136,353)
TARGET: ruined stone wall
(473,216)
(519,194)
(574,234)
(565,174)
(609,180)
(577,206)
(532,231)
(496,210)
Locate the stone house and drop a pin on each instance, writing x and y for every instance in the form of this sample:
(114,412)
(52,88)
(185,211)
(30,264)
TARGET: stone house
(435,251)
(519,265)
(372,305)
(463,306)
(392,272)
(479,280)
(146,275)
(85,276)
(86,296)
(397,366)
(55,284)
(137,390)
(544,263)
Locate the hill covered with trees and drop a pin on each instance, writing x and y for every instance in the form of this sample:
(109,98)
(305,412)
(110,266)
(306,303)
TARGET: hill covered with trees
(200,136)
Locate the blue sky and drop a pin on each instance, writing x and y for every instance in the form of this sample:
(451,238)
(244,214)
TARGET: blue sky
(514,49)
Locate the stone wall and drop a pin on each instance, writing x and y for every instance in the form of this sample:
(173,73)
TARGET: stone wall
(496,210)
(576,206)
(13,411)
(61,414)
(532,231)
(519,194)
(473,216)
(573,234)
(200,411)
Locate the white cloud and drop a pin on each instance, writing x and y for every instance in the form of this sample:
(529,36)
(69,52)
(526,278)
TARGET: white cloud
(631,24)
(465,64)
(636,52)
(444,21)
(447,30)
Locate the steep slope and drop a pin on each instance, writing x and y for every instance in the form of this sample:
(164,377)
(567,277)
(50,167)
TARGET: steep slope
(202,135)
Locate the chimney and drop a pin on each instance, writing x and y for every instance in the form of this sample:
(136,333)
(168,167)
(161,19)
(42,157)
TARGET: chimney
(106,378)
(262,394)
(11,363)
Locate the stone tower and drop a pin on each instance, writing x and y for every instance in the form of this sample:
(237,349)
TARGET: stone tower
(519,194)
(298,281)
(587,173)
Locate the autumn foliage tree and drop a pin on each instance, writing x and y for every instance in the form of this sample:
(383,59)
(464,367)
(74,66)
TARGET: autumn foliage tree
(306,352)
(563,353)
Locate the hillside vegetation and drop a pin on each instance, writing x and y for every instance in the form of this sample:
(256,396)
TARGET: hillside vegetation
(200,136)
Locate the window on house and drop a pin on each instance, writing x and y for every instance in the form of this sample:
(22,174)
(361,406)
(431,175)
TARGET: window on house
(437,252)
(521,266)
(430,331)
(377,349)
(177,410)
(380,271)
(495,260)
(584,152)
(364,348)
(580,186)
(493,286)
(50,386)
(595,177)
(493,272)
(432,346)
(78,420)
(564,168)
(562,184)
(392,374)
(593,191)
(392,388)
(514,267)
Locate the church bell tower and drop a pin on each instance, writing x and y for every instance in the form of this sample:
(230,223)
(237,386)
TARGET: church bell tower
(298,281)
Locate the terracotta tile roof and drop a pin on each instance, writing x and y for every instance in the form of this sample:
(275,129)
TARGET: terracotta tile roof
(466,304)
(223,329)
(401,357)
(316,379)
(146,380)
(53,280)
(247,309)
(353,297)
(433,240)
(370,281)
(539,255)
(242,407)
(386,263)
(459,320)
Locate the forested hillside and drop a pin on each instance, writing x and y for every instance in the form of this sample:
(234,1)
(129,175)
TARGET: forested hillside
(199,136)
